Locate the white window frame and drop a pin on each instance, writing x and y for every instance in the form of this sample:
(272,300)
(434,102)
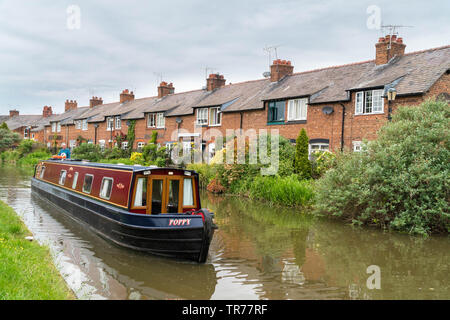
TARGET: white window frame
(323,146)
(41,175)
(375,102)
(160,120)
(297,109)
(84,124)
(151,120)
(78,124)
(124,145)
(25,133)
(217,117)
(357,146)
(53,126)
(62,177)
(202,116)
(109,123)
(103,196)
(75,180)
(117,122)
(58,127)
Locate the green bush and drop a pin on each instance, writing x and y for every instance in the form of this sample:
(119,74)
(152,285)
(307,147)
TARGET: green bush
(322,162)
(206,172)
(401,181)
(288,191)
(25,147)
(33,158)
(87,151)
(302,163)
(8,139)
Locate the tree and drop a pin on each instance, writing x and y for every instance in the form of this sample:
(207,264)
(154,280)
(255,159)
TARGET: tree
(131,135)
(8,139)
(301,162)
(400,180)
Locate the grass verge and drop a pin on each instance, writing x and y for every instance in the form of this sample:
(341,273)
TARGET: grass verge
(27,271)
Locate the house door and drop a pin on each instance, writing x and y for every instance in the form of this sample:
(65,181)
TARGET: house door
(165,195)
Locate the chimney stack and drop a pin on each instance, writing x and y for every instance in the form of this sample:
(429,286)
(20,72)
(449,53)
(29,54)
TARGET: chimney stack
(95,101)
(70,105)
(164,89)
(47,111)
(214,81)
(279,69)
(388,47)
(13,113)
(126,96)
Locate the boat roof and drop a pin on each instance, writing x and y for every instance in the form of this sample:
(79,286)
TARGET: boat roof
(134,168)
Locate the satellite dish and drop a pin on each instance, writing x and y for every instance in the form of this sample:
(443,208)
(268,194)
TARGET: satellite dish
(327,110)
(178,120)
(266,74)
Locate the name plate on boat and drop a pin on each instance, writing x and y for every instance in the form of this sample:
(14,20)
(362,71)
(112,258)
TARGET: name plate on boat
(146,173)
(179,222)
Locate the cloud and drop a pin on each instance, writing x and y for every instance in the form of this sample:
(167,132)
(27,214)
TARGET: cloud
(123,44)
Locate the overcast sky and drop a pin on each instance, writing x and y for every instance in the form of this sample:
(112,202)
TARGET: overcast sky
(47,55)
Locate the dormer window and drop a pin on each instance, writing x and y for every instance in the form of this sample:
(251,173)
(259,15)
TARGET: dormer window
(369,102)
(156,120)
(276,111)
(118,122)
(84,124)
(202,116)
(110,123)
(215,116)
(297,109)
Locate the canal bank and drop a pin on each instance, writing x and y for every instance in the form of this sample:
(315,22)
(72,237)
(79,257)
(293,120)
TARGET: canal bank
(26,268)
(258,252)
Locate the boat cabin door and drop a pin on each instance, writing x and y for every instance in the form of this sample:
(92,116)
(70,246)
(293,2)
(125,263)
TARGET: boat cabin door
(165,194)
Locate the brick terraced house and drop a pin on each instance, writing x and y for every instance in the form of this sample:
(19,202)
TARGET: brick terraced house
(338,106)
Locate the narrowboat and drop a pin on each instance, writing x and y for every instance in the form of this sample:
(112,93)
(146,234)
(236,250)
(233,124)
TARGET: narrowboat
(150,209)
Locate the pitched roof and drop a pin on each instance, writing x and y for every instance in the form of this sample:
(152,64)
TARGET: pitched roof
(24,120)
(415,72)
(412,73)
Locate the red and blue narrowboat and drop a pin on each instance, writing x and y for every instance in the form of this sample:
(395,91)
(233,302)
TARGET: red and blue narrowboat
(151,209)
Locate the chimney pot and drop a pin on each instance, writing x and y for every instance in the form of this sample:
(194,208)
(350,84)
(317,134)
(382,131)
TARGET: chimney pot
(387,48)
(126,96)
(214,81)
(13,113)
(279,69)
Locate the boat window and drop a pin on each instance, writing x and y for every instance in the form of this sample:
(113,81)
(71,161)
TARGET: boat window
(157,191)
(188,192)
(87,185)
(140,198)
(106,188)
(174,192)
(41,175)
(75,179)
(62,177)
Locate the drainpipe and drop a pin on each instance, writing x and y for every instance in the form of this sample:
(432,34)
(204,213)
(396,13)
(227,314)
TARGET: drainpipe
(242,116)
(342,131)
(67,134)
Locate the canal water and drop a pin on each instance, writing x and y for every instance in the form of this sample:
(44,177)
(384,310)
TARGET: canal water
(259,252)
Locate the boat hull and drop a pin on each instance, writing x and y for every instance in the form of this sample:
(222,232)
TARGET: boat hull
(179,236)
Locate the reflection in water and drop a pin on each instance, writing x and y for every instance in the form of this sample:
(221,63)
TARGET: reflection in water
(258,252)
